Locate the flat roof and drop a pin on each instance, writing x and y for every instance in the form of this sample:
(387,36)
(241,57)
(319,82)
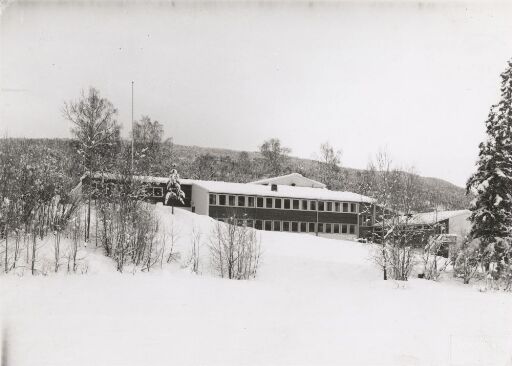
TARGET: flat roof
(252,189)
(282,191)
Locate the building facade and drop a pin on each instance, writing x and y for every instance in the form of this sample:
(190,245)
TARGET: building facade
(289,203)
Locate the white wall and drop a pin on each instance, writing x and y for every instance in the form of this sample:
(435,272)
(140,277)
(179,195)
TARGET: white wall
(200,199)
(460,224)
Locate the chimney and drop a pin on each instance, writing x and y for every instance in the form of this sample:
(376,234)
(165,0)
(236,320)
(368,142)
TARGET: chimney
(273,187)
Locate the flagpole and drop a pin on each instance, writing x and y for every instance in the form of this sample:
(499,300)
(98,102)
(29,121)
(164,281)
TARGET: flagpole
(132,128)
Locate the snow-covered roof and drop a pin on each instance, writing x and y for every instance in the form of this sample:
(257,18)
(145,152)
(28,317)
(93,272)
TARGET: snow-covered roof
(260,190)
(427,218)
(292,179)
(282,191)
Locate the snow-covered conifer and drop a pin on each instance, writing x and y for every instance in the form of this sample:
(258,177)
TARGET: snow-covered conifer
(174,191)
(491,215)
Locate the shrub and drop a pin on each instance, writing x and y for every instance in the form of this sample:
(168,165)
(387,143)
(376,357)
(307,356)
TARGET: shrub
(235,250)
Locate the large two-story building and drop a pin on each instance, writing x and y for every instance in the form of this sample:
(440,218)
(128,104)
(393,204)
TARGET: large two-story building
(291,203)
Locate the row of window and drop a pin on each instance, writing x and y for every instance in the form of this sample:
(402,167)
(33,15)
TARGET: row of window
(281,203)
(297,226)
(107,187)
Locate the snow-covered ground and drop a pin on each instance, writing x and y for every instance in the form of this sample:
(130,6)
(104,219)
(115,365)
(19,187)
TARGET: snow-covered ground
(315,302)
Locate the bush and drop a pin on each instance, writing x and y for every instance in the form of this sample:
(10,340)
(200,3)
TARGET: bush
(467,260)
(433,263)
(127,227)
(235,250)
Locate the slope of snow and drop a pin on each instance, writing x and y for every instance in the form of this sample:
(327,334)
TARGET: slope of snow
(315,301)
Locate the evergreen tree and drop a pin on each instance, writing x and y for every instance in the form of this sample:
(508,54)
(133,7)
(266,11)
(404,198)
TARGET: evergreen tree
(174,192)
(491,215)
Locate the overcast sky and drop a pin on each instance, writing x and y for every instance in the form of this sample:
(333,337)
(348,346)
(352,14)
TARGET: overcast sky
(415,79)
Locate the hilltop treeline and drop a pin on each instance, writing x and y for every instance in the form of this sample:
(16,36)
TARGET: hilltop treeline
(240,166)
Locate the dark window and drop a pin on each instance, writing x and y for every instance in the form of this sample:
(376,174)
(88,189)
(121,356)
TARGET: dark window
(268,225)
(258,224)
(328,228)
(286,226)
(353,207)
(295,226)
(277,225)
(268,202)
(343,228)
(311,227)
(259,201)
(295,204)
(363,221)
(213,199)
(304,204)
(250,201)
(345,207)
(329,206)
(240,222)
(320,227)
(337,206)
(250,223)
(222,199)
(158,192)
(277,203)
(312,205)
(231,200)
(336,228)
(321,205)
(352,229)
(241,201)
(287,203)
(303,227)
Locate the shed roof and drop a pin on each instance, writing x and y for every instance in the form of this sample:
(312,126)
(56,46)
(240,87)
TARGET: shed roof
(292,178)
(427,218)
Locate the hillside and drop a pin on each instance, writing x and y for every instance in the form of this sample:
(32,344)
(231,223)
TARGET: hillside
(230,165)
(448,194)
(315,301)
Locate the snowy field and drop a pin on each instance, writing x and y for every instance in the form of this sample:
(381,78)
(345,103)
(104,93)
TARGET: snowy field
(315,302)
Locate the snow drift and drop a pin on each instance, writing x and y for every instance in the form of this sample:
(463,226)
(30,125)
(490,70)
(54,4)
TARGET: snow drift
(315,301)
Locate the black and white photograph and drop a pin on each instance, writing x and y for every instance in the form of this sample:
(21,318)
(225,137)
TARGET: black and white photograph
(253,183)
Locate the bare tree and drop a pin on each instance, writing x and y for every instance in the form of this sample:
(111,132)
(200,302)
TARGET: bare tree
(97,133)
(195,248)
(235,250)
(380,186)
(75,230)
(173,234)
(147,137)
(396,192)
(275,155)
(329,167)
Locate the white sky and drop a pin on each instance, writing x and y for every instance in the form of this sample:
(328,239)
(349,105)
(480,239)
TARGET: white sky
(415,79)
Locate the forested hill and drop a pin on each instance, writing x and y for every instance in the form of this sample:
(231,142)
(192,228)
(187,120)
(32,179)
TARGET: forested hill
(239,166)
(217,164)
